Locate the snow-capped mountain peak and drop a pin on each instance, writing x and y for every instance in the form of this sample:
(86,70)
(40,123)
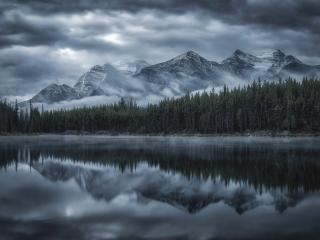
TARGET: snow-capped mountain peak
(187,55)
(184,73)
(89,83)
(184,70)
(292,59)
(267,64)
(278,54)
(54,93)
(239,55)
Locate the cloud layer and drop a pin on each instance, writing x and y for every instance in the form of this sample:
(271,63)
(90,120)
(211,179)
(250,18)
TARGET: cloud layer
(56,41)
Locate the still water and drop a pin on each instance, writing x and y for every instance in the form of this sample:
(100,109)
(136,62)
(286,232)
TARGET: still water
(100,187)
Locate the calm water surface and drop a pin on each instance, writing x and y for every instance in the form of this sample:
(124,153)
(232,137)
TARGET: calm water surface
(98,187)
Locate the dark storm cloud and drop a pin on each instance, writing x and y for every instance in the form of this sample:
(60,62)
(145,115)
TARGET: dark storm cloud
(23,72)
(53,6)
(272,15)
(15,29)
(285,13)
(289,14)
(23,29)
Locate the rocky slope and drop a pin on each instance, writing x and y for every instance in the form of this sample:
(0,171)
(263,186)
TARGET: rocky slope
(55,93)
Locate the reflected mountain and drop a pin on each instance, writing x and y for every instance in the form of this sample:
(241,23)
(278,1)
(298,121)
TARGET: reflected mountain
(176,190)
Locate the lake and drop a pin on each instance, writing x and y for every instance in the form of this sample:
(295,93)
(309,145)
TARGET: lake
(126,187)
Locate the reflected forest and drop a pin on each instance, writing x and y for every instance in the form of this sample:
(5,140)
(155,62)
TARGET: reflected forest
(261,167)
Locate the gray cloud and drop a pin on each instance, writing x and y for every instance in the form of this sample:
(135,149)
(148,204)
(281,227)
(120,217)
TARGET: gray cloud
(19,30)
(286,13)
(23,71)
(54,6)
(41,41)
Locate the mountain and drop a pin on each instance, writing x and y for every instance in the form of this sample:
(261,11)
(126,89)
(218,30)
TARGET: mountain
(189,64)
(89,83)
(270,65)
(54,93)
(240,64)
(106,80)
(185,73)
(300,69)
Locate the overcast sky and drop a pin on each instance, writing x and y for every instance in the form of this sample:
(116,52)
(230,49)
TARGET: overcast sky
(46,41)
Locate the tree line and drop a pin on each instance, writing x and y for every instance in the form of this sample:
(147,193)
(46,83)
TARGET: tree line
(272,106)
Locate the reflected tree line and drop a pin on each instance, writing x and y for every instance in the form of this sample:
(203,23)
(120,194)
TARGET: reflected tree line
(273,106)
(262,168)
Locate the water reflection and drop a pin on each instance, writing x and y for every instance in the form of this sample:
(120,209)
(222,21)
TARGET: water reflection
(175,190)
(159,188)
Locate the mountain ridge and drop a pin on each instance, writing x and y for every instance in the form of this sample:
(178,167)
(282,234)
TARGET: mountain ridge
(184,73)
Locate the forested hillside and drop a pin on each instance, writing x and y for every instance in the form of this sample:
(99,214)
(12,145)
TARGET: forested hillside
(273,106)
(9,118)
